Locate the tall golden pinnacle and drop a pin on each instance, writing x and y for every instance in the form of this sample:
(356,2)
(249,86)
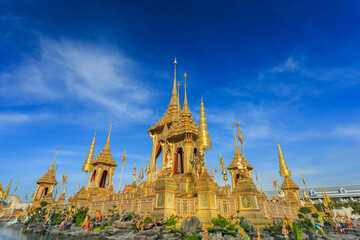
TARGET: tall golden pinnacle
(174,95)
(284,171)
(178,102)
(203,141)
(53,164)
(107,145)
(237,150)
(87,167)
(186,106)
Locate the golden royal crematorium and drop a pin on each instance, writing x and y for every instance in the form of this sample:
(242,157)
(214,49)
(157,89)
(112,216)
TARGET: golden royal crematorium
(183,186)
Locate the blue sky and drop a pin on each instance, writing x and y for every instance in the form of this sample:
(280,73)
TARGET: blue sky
(287,70)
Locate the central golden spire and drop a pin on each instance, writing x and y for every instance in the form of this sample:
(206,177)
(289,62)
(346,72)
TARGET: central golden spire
(107,145)
(204,141)
(284,171)
(174,96)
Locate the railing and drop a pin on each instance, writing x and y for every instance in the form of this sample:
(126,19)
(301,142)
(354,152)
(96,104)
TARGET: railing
(185,207)
(228,207)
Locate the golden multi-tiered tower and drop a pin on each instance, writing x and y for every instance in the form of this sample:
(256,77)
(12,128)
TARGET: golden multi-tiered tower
(46,184)
(290,188)
(100,181)
(174,135)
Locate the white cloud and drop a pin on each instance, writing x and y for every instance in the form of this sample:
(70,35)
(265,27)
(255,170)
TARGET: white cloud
(78,74)
(9,119)
(290,65)
(347,131)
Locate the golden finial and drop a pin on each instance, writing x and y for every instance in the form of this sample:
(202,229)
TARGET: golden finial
(53,164)
(174,95)
(87,167)
(241,139)
(237,150)
(107,145)
(284,171)
(186,106)
(204,141)
(134,173)
(6,193)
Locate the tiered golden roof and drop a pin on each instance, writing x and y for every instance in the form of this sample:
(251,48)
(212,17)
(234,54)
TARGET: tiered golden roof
(49,176)
(105,155)
(185,123)
(171,113)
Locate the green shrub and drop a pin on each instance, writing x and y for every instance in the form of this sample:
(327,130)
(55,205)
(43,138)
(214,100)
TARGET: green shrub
(275,229)
(171,221)
(247,228)
(220,221)
(296,231)
(148,220)
(80,215)
(193,238)
(231,227)
(304,210)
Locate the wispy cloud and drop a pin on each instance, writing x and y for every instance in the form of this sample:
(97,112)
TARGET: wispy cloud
(347,131)
(290,65)
(79,74)
(11,118)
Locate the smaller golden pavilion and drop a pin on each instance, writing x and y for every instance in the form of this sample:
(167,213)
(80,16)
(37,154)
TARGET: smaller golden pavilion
(46,184)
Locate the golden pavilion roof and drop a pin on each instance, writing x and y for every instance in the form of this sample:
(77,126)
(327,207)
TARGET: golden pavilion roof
(105,155)
(185,123)
(49,176)
(289,184)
